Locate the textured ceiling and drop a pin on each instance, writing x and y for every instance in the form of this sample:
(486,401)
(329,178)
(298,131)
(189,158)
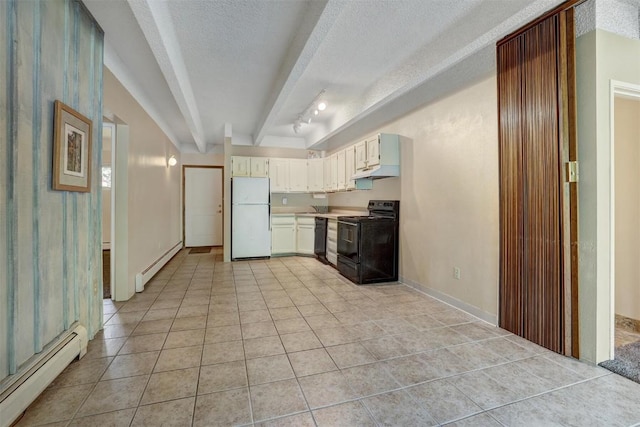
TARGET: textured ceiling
(199,65)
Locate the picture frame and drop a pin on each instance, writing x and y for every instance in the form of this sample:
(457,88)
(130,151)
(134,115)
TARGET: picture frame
(71,150)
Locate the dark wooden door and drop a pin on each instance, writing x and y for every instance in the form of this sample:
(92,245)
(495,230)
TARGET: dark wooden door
(534,76)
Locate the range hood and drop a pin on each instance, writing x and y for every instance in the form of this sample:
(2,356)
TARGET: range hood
(377,172)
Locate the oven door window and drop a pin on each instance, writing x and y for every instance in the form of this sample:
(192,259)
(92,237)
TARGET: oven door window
(348,240)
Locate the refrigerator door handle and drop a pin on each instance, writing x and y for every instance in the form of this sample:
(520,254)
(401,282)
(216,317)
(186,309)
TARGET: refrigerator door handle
(269,205)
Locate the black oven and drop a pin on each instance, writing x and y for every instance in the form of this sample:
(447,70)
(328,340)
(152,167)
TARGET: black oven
(348,239)
(368,245)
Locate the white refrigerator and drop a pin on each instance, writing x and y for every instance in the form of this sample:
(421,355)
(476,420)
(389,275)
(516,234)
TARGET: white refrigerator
(250,218)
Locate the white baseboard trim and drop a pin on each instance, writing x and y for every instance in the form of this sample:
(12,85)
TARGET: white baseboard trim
(143,277)
(468,308)
(41,372)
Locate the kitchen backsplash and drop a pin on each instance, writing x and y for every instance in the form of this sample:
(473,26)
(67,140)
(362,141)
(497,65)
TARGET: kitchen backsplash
(296,199)
(343,210)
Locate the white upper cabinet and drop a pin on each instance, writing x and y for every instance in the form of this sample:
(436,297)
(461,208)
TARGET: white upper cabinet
(315,175)
(260,167)
(368,153)
(279,175)
(379,154)
(376,156)
(341,169)
(334,172)
(331,173)
(288,175)
(373,151)
(350,167)
(240,166)
(298,175)
(326,166)
(361,155)
(257,167)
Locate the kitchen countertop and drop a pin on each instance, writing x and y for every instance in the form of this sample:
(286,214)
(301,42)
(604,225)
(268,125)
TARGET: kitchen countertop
(322,215)
(330,215)
(309,214)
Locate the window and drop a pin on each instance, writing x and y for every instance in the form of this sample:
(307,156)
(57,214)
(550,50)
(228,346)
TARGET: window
(106,177)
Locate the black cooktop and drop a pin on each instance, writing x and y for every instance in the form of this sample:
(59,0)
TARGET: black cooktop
(378,210)
(364,218)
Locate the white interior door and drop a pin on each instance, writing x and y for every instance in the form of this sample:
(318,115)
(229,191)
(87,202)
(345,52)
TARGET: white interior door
(202,206)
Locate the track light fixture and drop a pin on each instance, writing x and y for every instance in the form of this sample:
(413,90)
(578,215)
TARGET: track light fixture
(313,109)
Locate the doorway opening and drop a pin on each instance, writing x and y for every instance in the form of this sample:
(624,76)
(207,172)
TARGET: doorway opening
(108,144)
(625,223)
(115,229)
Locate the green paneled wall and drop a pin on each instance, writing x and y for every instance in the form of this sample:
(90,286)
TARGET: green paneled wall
(50,241)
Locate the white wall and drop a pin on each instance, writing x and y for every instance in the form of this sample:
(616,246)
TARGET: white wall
(448,191)
(287,153)
(383,189)
(297,202)
(192,159)
(627,207)
(600,58)
(155,203)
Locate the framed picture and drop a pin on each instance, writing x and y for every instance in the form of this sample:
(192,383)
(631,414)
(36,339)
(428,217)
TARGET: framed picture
(71,150)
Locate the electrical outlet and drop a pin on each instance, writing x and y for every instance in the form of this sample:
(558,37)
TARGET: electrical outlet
(456,273)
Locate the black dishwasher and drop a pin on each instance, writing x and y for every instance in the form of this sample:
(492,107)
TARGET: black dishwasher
(320,241)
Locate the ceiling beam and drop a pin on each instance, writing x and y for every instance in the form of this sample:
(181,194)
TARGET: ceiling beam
(401,82)
(156,25)
(318,20)
(115,64)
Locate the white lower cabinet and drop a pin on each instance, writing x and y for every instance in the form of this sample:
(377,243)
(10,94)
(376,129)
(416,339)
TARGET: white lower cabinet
(305,234)
(332,241)
(291,234)
(283,234)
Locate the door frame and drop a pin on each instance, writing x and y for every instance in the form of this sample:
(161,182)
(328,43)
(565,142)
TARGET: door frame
(112,238)
(121,289)
(119,240)
(184,168)
(629,90)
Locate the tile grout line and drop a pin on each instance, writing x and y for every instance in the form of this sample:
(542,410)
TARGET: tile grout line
(95,385)
(195,397)
(244,352)
(307,275)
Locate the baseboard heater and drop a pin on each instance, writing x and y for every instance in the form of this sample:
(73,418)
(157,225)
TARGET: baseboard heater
(149,272)
(22,390)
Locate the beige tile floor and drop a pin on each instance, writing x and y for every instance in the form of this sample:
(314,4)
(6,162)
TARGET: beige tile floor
(289,342)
